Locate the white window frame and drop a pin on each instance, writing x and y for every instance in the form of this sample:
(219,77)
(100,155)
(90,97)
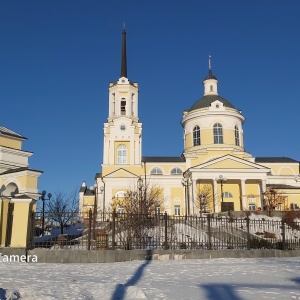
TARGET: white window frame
(196,136)
(123,106)
(156,171)
(120,210)
(237,136)
(227,195)
(176,210)
(122,154)
(218,133)
(252,206)
(176,171)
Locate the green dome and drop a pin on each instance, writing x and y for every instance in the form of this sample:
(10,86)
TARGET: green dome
(206,101)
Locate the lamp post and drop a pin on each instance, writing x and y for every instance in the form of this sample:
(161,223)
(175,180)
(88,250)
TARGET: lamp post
(221,179)
(140,187)
(103,201)
(42,197)
(94,189)
(187,182)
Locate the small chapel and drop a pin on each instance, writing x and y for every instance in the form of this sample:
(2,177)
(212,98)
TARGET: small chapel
(214,173)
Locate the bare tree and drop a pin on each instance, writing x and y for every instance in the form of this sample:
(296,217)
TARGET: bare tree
(204,198)
(139,200)
(272,198)
(136,214)
(63,209)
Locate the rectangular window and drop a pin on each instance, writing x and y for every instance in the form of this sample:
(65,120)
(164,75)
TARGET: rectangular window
(252,206)
(157,210)
(123,107)
(120,210)
(177,210)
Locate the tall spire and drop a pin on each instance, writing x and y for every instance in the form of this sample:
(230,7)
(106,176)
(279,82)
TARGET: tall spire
(209,66)
(210,74)
(124,56)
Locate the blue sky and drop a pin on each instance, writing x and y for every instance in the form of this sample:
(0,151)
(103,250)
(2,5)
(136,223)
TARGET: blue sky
(58,57)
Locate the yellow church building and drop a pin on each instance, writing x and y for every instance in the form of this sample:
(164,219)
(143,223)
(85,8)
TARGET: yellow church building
(18,189)
(214,172)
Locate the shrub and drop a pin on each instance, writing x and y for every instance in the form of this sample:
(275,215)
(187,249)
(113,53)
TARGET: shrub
(289,218)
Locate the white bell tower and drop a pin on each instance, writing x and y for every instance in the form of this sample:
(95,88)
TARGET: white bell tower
(123,131)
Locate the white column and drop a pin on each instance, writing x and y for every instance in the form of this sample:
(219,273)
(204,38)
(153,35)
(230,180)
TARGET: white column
(216,200)
(263,187)
(167,199)
(243,194)
(194,197)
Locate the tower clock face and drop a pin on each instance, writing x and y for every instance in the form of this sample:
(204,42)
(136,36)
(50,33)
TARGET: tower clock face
(123,127)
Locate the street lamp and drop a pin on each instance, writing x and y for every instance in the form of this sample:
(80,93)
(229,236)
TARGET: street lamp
(94,189)
(187,182)
(42,197)
(221,179)
(140,185)
(103,200)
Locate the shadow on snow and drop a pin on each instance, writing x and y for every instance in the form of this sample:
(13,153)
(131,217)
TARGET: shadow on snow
(119,293)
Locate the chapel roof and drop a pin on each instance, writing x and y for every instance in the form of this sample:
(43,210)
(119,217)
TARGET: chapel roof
(207,100)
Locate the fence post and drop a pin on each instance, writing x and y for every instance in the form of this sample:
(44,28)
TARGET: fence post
(166,230)
(283,234)
(113,230)
(209,231)
(90,229)
(248,232)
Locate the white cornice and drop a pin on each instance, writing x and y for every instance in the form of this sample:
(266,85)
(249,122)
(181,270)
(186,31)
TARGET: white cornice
(34,173)
(15,151)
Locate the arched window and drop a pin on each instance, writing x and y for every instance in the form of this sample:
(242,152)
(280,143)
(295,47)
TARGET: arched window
(176,171)
(122,154)
(218,133)
(123,106)
(120,194)
(196,136)
(156,171)
(237,136)
(10,190)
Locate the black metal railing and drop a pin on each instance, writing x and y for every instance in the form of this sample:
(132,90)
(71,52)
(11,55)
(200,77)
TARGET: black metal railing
(161,231)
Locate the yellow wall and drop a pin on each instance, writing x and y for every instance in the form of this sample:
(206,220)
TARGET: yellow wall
(3,220)
(229,164)
(10,143)
(28,182)
(283,169)
(166,168)
(207,138)
(20,224)
(234,189)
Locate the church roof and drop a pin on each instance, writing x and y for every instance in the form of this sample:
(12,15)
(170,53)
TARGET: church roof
(210,75)
(16,170)
(6,131)
(163,159)
(207,100)
(282,187)
(275,160)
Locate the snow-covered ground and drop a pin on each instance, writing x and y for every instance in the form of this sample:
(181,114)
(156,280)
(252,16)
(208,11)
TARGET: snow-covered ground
(234,279)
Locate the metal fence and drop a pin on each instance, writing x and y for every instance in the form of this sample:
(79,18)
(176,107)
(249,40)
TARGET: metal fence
(138,231)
